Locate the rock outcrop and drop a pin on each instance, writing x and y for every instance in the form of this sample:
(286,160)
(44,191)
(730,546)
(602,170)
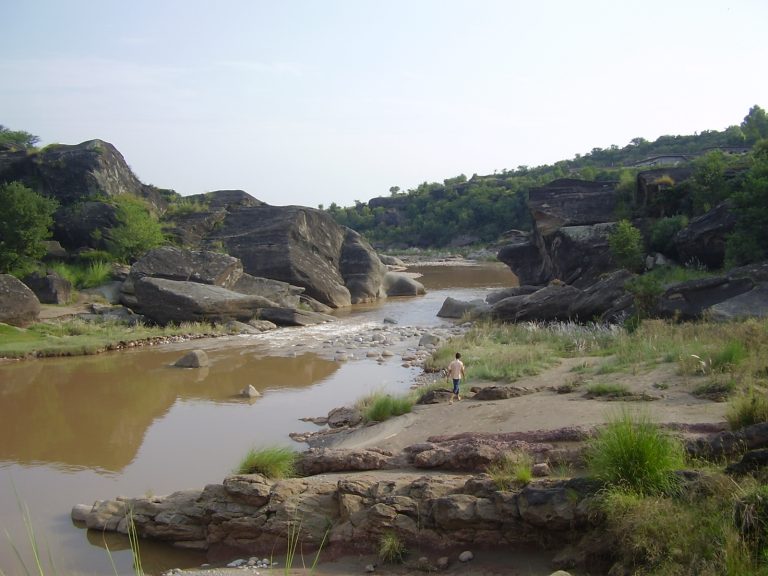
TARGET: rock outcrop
(18,304)
(251,514)
(49,287)
(703,241)
(400,284)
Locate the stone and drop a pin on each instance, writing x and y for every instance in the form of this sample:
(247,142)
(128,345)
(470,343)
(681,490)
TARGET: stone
(291,317)
(571,202)
(703,240)
(344,416)
(391,261)
(549,303)
(370,568)
(497,295)
(282,294)
(49,287)
(193,359)
(250,392)
(389,320)
(540,470)
(18,304)
(689,300)
(751,304)
(466,556)
(166,301)
(442,563)
(608,293)
(202,267)
(361,269)
(399,284)
(80,512)
(500,392)
(453,308)
(429,340)
(526,256)
(579,255)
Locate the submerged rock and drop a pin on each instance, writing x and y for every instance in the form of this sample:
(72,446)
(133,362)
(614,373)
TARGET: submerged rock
(193,359)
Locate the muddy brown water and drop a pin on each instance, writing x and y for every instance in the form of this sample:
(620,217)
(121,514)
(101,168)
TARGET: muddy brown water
(74,430)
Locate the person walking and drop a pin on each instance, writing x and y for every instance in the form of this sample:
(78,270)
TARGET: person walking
(456,372)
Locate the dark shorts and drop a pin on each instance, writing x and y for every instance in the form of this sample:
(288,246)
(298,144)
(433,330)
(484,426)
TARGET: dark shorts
(456,382)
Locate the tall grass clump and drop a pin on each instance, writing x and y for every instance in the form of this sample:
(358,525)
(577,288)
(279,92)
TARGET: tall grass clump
(634,455)
(275,463)
(391,548)
(747,409)
(378,407)
(512,469)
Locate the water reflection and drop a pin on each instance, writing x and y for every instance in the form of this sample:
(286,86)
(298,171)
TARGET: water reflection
(94,411)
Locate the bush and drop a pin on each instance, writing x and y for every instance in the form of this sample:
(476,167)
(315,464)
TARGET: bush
(25,221)
(137,230)
(275,463)
(632,454)
(748,409)
(663,232)
(512,469)
(381,407)
(611,389)
(391,548)
(626,245)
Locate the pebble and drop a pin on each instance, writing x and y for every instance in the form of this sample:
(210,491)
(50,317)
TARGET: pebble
(466,556)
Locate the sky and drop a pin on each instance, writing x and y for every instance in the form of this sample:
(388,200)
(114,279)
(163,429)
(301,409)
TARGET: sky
(311,102)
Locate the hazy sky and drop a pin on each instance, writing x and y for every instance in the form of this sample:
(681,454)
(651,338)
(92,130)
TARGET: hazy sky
(310,102)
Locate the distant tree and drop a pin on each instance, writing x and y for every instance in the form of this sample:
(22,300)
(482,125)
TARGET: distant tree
(755,124)
(749,242)
(26,218)
(626,245)
(709,183)
(394,190)
(17,138)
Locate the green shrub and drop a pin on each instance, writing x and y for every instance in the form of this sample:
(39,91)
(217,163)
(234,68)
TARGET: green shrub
(380,407)
(137,230)
(275,463)
(632,454)
(748,409)
(729,357)
(663,232)
(513,469)
(626,245)
(391,548)
(25,221)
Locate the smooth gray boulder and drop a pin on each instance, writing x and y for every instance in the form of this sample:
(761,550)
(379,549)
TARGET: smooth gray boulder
(281,293)
(497,295)
(752,304)
(397,284)
(193,359)
(453,308)
(203,267)
(291,317)
(550,303)
(18,304)
(703,240)
(49,287)
(165,301)
(361,269)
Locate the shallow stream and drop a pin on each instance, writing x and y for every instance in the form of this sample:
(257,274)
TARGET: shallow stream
(73,430)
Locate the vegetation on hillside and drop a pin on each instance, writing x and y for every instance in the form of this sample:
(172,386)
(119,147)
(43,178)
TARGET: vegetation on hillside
(480,209)
(25,222)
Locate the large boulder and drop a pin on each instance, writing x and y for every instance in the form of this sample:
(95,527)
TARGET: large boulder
(609,293)
(703,240)
(176,301)
(579,255)
(361,269)
(571,202)
(688,300)
(18,304)
(189,266)
(453,308)
(552,302)
(49,287)
(526,256)
(399,284)
(502,293)
(281,293)
(75,224)
(291,317)
(298,245)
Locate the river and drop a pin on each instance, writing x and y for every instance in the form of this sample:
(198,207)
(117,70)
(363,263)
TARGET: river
(74,430)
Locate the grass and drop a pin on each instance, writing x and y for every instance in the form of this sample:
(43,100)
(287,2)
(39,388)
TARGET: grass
(73,337)
(378,407)
(513,469)
(85,275)
(715,527)
(747,409)
(392,550)
(274,462)
(634,455)
(294,534)
(609,389)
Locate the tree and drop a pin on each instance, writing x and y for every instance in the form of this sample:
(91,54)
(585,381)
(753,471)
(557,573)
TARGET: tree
(394,190)
(25,221)
(17,138)
(137,230)
(750,238)
(755,124)
(626,245)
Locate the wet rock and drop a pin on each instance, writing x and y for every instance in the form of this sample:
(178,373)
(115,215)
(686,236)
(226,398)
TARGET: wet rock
(397,284)
(193,359)
(18,304)
(250,392)
(291,317)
